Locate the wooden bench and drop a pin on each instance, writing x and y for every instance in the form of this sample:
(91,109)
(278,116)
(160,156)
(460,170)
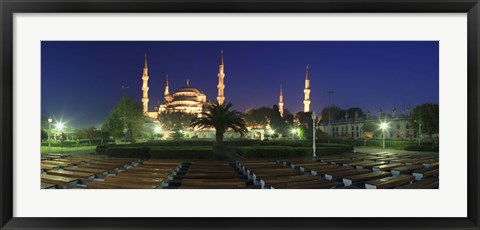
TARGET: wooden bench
(367,164)
(360,178)
(323,171)
(430,183)
(134,180)
(151,169)
(433,165)
(144,174)
(189,175)
(47,186)
(54,155)
(59,181)
(405,169)
(287,179)
(338,175)
(59,163)
(386,167)
(314,184)
(389,182)
(107,185)
(47,167)
(97,172)
(422,173)
(79,175)
(213,183)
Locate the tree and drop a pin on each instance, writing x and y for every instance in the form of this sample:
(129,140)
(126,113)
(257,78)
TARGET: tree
(335,112)
(221,118)
(304,122)
(178,134)
(173,120)
(369,129)
(114,123)
(44,135)
(428,116)
(351,112)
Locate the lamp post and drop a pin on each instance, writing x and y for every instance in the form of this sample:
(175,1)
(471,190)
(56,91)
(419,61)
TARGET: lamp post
(314,118)
(124,114)
(49,133)
(383,126)
(59,126)
(330,92)
(419,131)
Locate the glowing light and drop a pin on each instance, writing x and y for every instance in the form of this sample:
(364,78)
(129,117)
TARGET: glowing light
(59,126)
(158,129)
(294,131)
(383,125)
(271,131)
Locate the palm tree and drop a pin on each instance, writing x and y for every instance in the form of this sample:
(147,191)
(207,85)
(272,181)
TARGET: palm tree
(221,118)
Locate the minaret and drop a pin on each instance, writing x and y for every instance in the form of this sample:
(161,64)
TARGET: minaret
(221,85)
(306,92)
(280,102)
(166,94)
(166,88)
(145,86)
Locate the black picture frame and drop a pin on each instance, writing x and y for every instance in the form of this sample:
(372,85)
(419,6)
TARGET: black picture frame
(9,7)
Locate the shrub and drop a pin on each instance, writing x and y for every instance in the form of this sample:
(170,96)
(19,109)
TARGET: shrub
(289,151)
(101,149)
(273,152)
(422,148)
(182,152)
(134,152)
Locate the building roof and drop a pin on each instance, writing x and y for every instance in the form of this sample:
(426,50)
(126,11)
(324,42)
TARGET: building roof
(188,89)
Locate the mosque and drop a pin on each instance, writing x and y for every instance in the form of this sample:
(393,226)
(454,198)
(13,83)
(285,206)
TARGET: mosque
(188,99)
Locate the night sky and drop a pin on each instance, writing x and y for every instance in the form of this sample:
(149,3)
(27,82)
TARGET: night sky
(81,81)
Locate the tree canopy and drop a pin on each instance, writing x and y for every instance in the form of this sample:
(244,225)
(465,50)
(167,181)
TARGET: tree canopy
(427,115)
(134,119)
(220,117)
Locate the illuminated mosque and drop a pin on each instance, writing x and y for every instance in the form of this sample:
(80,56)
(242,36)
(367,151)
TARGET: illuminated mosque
(188,99)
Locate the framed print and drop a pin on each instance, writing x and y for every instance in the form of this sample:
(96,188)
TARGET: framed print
(265,114)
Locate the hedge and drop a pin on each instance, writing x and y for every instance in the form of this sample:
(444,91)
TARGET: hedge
(136,152)
(157,152)
(422,148)
(286,152)
(184,153)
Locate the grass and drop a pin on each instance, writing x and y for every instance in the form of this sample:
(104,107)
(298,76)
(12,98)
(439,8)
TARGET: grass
(44,149)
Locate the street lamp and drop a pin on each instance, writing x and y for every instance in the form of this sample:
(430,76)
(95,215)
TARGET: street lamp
(383,126)
(49,133)
(294,131)
(419,131)
(330,92)
(314,118)
(59,126)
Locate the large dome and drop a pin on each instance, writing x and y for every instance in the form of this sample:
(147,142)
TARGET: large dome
(187,89)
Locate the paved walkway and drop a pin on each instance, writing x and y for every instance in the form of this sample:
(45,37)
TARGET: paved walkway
(363,149)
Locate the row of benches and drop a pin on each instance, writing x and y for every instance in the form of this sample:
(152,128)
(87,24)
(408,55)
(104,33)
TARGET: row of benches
(208,175)
(95,172)
(360,170)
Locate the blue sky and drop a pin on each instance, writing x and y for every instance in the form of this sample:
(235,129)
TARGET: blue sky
(81,81)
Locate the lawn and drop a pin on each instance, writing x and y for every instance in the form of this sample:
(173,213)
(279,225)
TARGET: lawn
(56,149)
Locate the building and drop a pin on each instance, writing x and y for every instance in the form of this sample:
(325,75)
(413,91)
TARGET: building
(187,99)
(351,127)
